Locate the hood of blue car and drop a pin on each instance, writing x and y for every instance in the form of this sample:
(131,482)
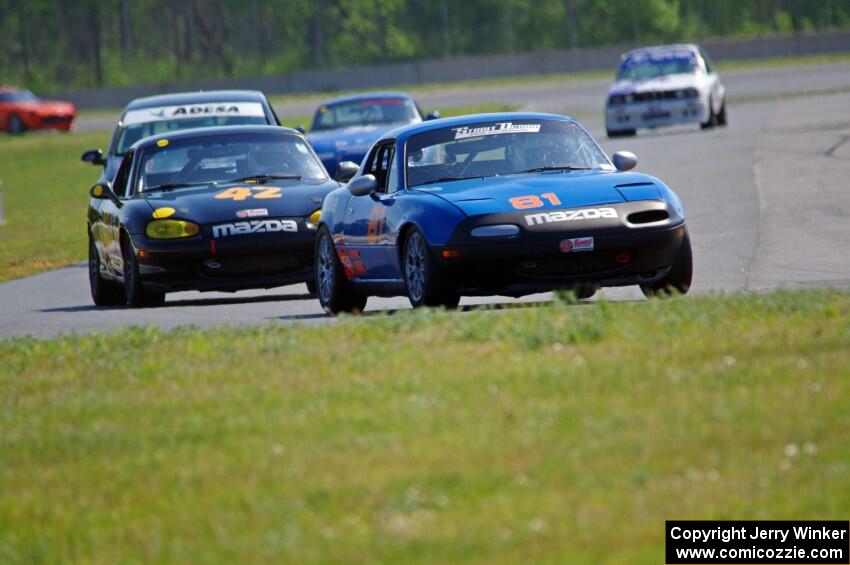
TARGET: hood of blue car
(492,195)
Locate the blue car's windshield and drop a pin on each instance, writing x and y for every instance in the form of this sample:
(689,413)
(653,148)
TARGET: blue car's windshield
(365,111)
(144,122)
(500,148)
(645,66)
(225,158)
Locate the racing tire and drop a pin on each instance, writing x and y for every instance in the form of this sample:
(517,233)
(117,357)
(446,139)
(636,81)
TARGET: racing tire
(422,275)
(585,292)
(620,133)
(103,292)
(335,292)
(712,119)
(311,287)
(14,125)
(722,120)
(678,280)
(135,293)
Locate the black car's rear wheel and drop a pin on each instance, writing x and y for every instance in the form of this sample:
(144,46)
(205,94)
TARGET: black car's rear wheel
(422,276)
(678,280)
(335,292)
(135,293)
(103,292)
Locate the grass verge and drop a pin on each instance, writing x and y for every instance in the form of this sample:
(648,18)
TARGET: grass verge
(545,434)
(45,194)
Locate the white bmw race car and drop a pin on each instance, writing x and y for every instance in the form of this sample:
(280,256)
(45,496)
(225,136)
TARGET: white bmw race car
(662,86)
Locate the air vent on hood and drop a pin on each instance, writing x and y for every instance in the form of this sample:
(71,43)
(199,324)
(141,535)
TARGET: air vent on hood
(648,217)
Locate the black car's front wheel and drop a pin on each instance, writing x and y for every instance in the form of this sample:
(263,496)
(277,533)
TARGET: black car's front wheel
(422,276)
(135,293)
(103,292)
(335,292)
(678,280)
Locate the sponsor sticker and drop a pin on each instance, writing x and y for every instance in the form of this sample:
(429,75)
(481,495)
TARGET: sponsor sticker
(570,215)
(252,213)
(183,111)
(254,226)
(465,132)
(576,244)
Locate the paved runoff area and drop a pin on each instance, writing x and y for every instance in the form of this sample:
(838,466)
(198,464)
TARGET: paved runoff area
(767,199)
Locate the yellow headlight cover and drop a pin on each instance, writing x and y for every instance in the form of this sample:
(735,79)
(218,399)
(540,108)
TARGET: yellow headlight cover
(171,229)
(315,216)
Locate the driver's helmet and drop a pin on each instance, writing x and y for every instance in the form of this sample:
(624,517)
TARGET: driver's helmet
(271,158)
(529,151)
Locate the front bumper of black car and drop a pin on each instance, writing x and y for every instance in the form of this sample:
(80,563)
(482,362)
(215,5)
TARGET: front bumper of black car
(233,263)
(533,260)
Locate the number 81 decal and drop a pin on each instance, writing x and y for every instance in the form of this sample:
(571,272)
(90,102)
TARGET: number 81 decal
(534,201)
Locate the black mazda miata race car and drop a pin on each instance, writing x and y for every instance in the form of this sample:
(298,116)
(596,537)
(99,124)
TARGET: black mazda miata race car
(223,208)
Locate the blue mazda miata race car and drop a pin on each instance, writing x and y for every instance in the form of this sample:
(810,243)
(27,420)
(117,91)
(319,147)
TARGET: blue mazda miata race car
(508,204)
(345,128)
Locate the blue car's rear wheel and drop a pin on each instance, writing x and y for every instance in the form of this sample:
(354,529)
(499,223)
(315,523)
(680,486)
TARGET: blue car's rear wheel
(422,276)
(335,292)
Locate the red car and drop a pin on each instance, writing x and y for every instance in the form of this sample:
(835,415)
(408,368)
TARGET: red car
(21,110)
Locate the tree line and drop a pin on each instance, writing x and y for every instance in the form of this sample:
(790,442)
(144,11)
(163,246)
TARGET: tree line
(57,44)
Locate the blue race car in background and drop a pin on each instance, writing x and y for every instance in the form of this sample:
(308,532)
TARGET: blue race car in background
(508,204)
(166,113)
(345,128)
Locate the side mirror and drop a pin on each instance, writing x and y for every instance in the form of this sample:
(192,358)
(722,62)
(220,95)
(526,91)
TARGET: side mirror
(102,191)
(624,160)
(93,156)
(363,186)
(346,170)
(301,128)
(435,115)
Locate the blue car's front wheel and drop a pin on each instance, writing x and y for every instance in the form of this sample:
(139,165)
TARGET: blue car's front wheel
(422,276)
(335,292)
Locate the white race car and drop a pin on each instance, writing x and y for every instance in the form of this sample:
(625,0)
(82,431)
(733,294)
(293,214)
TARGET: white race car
(662,86)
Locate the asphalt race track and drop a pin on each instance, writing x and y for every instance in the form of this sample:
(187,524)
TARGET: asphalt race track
(768,203)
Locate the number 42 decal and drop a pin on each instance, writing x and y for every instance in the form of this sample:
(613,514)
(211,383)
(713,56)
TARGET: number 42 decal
(243,193)
(534,201)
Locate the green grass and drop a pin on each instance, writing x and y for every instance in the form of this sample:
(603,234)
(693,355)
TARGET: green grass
(551,434)
(45,194)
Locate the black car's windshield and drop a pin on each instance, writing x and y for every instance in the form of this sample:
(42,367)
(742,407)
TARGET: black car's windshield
(145,122)
(365,111)
(225,158)
(500,148)
(647,65)
(18,96)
